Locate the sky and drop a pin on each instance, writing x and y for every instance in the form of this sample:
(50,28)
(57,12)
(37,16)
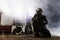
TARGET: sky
(24,10)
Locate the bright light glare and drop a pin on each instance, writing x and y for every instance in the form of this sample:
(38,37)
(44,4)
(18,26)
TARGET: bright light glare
(18,9)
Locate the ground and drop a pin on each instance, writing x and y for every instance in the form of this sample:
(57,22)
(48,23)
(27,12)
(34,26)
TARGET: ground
(25,37)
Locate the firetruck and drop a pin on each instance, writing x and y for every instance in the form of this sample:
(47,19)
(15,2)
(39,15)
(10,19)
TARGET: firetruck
(4,29)
(7,29)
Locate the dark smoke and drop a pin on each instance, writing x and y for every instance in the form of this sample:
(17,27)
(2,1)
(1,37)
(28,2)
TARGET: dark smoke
(53,13)
(53,16)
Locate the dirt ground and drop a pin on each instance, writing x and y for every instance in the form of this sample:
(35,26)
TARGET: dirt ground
(25,37)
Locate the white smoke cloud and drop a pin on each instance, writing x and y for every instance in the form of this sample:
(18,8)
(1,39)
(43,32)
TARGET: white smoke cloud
(21,8)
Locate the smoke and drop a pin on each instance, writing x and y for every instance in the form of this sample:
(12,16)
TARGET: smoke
(20,9)
(53,16)
(24,10)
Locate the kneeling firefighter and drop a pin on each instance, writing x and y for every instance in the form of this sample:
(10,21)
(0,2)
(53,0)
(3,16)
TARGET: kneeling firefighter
(39,24)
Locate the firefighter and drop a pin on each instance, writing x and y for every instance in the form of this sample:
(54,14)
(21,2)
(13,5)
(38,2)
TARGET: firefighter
(28,28)
(39,22)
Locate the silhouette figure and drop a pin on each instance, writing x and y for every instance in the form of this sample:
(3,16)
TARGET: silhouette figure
(39,22)
(28,28)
